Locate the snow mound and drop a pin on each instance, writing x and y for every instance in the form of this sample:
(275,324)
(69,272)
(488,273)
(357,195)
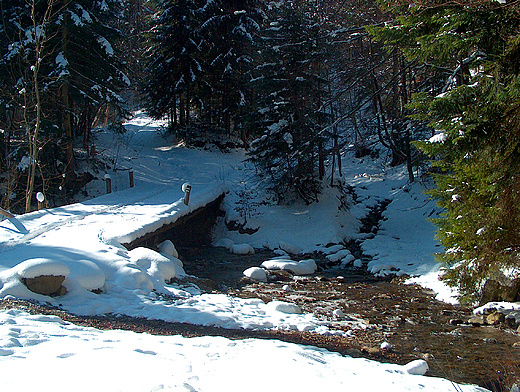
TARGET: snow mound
(242,249)
(284,307)
(40,267)
(256,273)
(87,274)
(167,248)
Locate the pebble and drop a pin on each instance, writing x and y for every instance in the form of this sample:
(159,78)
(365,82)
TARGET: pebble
(338,313)
(456,321)
(490,340)
(386,346)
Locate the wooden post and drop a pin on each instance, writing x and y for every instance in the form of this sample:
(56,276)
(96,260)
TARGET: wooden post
(186,188)
(5,213)
(131,177)
(108,180)
(40,197)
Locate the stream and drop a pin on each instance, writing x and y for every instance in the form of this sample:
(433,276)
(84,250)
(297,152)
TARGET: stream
(407,317)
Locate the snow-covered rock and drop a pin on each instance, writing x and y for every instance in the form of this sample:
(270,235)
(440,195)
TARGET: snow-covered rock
(256,273)
(284,307)
(41,267)
(347,260)
(224,243)
(338,313)
(335,257)
(167,247)
(289,248)
(242,249)
(418,367)
(304,267)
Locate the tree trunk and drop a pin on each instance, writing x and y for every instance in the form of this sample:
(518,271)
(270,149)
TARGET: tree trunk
(181,110)
(65,96)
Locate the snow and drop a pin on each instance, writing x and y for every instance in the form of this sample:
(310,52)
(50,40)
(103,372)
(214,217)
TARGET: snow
(256,273)
(106,45)
(438,138)
(41,266)
(87,359)
(83,242)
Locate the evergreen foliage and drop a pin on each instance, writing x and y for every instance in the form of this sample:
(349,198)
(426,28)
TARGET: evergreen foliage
(476,117)
(199,53)
(58,69)
(291,88)
(173,56)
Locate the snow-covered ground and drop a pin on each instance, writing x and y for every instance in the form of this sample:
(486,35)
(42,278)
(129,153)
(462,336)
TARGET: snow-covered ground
(44,353)
(83,242)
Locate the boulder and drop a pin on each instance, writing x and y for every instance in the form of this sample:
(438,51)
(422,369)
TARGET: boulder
(46,285)
(477,320)
(495,318)
(494,291)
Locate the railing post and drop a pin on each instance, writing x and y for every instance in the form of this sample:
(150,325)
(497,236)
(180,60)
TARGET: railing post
(40,197)
(186,188)
(108,180)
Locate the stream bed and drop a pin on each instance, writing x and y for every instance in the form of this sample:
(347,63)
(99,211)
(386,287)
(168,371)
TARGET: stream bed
(407,318)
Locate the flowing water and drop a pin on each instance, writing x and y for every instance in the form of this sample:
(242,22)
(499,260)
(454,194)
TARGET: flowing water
(406,316)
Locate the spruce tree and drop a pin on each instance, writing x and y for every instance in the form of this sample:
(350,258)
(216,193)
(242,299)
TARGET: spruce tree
(290,115)
(475,115)
(173,60)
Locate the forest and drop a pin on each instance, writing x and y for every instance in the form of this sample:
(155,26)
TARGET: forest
(296,83)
